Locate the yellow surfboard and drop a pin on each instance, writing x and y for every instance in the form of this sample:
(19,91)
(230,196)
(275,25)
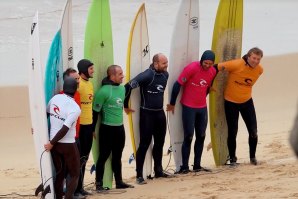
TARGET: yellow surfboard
(138,60)
(227,44)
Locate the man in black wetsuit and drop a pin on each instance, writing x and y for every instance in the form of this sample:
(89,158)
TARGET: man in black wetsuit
(152,83)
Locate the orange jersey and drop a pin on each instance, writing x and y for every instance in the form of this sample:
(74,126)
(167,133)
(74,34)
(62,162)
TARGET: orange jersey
(241,78)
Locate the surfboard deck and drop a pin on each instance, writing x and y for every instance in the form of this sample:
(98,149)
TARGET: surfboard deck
(60,55)
(98,48)
(138,59)
(38,113)
(67,36)
(184,50)
(227,44)
(54,69)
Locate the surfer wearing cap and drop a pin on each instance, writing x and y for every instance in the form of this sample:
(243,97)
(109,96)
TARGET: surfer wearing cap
(64,112)
(152,83)
(108,101)
(242,75)
(86,71)
(196,80)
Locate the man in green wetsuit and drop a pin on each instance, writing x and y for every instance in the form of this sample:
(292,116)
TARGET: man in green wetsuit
(108,102)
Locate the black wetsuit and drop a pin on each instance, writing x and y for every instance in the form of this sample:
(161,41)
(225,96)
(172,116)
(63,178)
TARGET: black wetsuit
(152,116)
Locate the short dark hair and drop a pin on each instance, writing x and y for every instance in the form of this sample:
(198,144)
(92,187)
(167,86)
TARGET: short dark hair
(155,58)
(256,51)
(68,71)
(112,70)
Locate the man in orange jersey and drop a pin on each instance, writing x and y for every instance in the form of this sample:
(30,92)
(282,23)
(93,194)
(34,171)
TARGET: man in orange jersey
(71,72)
(242,75)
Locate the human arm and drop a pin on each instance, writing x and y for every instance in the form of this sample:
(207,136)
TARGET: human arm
(94,122)
(136,82)
(174,94)
(128,89)
(99,100)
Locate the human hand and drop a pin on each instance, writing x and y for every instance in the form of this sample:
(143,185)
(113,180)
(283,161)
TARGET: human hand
(48,146)
(171,108)
(212,89)
(128,110)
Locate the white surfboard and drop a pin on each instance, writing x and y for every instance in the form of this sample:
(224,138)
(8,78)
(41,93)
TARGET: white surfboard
(38,113)
(138,60)
(66,36)
(184,50)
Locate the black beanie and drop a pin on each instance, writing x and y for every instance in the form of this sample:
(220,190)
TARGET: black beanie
(70,85)
(208,55)
(83,66)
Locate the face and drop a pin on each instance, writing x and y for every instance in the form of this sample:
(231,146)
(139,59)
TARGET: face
(76,76)
(91,71)
(206,64)
(162,64)
(118,77)
(254,60)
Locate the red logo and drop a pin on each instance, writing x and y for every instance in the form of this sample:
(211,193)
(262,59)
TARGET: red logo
(56,109)
(90,97)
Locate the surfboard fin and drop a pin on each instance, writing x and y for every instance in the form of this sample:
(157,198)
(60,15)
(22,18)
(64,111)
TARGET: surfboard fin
(46,191)
(170,150)
(131,158)
(39,189)
(43,191)
(93,168)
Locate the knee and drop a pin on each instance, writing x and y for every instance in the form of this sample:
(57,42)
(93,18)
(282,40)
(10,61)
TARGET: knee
(188,140)
(253,135)
(201,138)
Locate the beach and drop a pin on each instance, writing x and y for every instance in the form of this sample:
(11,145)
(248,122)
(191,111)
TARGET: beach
(275,96)
(275,176)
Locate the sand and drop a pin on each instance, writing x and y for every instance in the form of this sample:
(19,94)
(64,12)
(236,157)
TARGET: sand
(275,96)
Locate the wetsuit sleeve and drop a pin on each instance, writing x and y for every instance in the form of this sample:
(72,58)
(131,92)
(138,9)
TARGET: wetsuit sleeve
(128,89)
(186,74)
(100,97)
(139,80)
(95,118)
(229,66)
(99,100)
(175,92)
(61,133)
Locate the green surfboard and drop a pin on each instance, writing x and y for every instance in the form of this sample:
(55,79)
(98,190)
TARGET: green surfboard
(98,48)
(227,44)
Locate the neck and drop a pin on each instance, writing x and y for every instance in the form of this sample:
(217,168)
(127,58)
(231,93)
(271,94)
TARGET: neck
(69,94)
(84,77)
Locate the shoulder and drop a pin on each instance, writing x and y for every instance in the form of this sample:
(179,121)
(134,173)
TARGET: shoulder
(192,66)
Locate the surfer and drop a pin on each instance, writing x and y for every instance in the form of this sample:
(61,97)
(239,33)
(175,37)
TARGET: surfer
(152,83)
(196,80)
(108,102)
(64,112)
(71,72)
(242,75)
(86,71)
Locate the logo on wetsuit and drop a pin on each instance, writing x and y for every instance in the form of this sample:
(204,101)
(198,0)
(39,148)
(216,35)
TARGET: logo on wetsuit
(248,82)
(56,113)
(118,104)
(202,83)
(159,88)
